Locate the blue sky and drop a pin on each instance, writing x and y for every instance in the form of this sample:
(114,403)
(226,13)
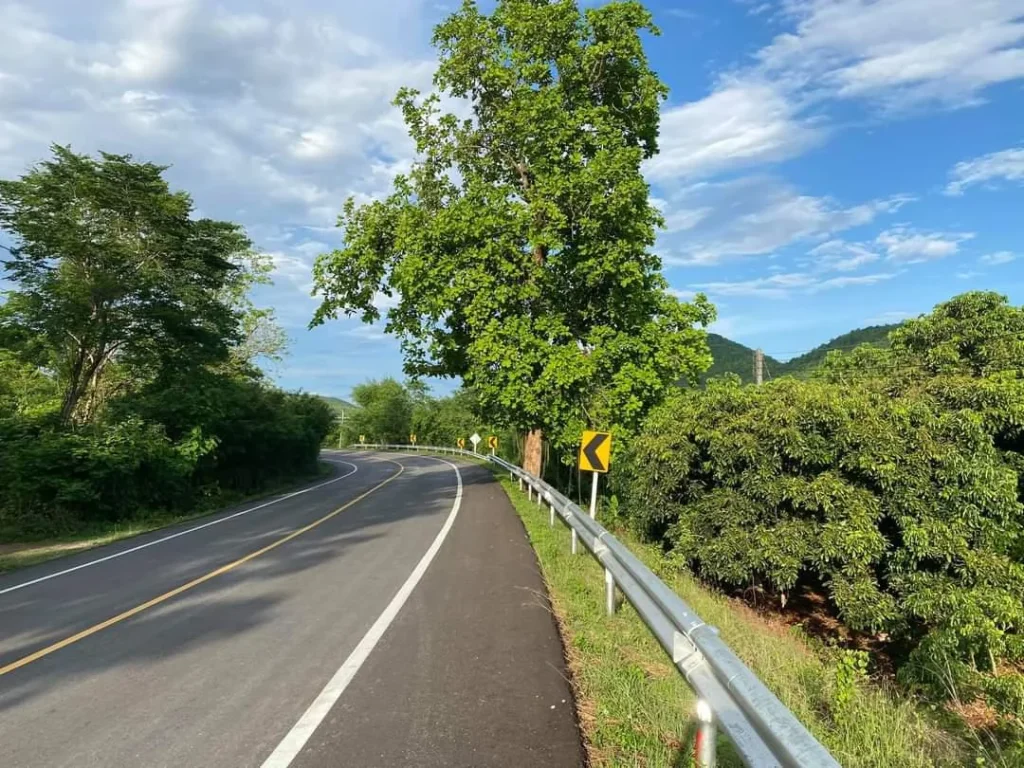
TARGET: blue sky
(825,164)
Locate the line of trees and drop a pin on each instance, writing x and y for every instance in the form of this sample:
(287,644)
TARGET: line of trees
(892,482)
(130,350)
(390,411)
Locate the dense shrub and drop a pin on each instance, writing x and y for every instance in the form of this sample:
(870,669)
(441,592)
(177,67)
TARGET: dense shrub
(156,453)
(892,481)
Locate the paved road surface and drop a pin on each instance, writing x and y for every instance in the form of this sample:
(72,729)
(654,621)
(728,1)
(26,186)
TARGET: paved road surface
(392,615)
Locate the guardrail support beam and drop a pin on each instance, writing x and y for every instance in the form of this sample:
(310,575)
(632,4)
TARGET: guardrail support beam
(705,746)
(575,539)
(552,515)
(609,592)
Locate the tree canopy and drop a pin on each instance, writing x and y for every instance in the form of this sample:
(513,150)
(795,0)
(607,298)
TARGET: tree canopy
(110,265)
(517,248)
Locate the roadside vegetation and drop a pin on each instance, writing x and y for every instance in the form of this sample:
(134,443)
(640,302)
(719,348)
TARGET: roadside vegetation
(635,709)
(130,387)
(878,504)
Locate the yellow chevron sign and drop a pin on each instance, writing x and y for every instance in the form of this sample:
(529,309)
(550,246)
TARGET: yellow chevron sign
(596,451)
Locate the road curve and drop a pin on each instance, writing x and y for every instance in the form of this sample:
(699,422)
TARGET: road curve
(392,615)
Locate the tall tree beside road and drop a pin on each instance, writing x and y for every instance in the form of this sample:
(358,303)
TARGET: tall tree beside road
(517,248)
(109,265)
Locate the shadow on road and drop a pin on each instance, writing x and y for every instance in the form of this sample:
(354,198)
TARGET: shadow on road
(214,610)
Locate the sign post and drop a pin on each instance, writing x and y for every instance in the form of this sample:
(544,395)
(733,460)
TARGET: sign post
(475,440)
(492,442)
(595,457)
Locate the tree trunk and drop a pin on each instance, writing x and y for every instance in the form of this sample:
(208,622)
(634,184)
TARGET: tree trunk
(533,452)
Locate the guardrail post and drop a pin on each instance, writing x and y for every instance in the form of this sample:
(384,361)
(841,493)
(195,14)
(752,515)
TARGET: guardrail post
(704,747)
(552,515)
(609,592)
(575,537)
(520,483)
(529,491)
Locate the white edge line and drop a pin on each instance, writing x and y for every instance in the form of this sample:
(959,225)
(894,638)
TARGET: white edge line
(297,737)
(181,533)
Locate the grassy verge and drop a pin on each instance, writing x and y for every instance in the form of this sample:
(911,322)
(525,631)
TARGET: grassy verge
(22,555)
(635,710)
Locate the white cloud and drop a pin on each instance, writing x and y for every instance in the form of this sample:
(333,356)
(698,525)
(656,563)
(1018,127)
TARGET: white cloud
(782,286)
(757,216)
(739,124)
(1000,257)
(908,246)
(1006,165)
(903,52)
(841,256)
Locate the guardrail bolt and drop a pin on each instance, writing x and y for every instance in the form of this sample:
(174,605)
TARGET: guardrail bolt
(704,746)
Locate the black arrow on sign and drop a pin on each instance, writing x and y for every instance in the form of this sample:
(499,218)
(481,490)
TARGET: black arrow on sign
(590,451)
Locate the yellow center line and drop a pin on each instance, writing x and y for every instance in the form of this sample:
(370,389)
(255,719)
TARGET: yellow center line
(190,585)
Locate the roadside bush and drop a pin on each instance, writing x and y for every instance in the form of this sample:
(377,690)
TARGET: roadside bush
(160,451)
(54,481)
(891,482)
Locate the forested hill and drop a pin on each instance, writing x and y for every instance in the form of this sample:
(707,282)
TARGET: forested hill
(876,335)
(732,357)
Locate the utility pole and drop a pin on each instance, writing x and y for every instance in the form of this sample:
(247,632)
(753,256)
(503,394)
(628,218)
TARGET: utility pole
(758,367)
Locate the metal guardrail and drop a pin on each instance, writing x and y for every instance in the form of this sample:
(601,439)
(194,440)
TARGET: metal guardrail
(761,728)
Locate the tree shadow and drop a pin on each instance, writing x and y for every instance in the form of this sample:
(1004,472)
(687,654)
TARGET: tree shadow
(181,624)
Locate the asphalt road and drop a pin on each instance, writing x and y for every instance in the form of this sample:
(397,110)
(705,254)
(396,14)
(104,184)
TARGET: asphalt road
(392,615)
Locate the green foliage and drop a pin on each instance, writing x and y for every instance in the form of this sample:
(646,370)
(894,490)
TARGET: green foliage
(891,480)
(384,414)
(128,354)
(518,247)
(111,268)
(851,670)
(389,411)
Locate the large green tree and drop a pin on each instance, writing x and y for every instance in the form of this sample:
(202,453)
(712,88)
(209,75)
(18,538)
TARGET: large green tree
(110,267)
(517,248)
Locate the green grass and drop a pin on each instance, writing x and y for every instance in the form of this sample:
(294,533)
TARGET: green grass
(636,710)
(22,555)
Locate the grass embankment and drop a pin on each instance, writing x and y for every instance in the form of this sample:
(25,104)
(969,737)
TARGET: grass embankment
(22,554)
(636,710)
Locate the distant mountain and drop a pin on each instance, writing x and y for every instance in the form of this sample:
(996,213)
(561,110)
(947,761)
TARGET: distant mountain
(875,335)
(733,357)
(338,404)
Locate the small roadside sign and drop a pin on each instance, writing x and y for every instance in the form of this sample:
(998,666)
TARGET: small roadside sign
(492,442)
(362,439)
(475,440)
(461,442)
(412,439)
(596,451)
